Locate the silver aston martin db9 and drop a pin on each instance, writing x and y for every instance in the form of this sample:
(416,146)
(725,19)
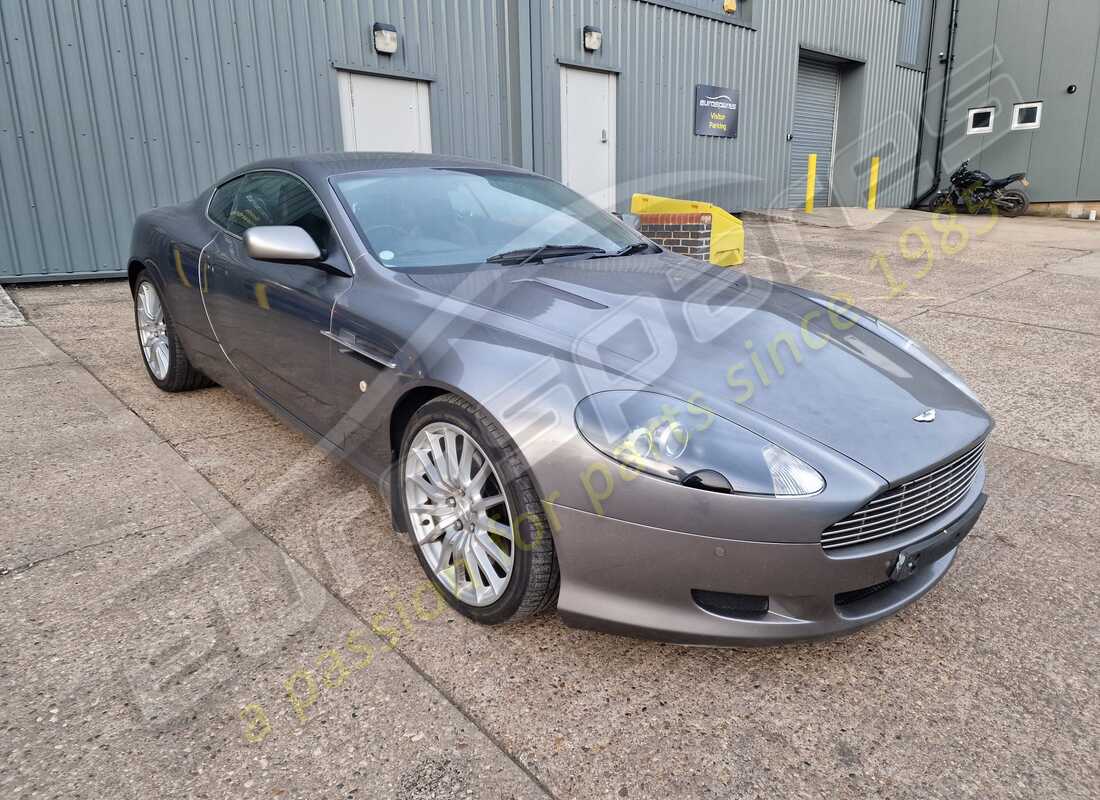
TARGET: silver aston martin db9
(560,412)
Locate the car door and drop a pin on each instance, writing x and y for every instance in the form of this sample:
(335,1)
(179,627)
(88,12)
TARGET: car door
(272,319)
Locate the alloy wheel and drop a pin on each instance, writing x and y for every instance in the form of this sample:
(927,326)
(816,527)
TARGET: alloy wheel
(460,515)
(152,330)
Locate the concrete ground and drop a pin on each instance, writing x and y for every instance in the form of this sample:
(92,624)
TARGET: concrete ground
(189,586)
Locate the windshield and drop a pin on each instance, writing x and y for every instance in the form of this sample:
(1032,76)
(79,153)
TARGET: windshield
(416,219)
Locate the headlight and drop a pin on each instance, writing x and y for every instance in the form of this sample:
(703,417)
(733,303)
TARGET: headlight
(686,443)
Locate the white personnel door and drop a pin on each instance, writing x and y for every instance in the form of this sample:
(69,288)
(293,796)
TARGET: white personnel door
(588,134)
(384,113)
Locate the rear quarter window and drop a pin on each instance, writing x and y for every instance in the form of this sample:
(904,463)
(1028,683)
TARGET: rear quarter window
(221,205)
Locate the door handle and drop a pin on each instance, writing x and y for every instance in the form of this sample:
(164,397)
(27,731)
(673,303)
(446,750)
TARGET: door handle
(603,135)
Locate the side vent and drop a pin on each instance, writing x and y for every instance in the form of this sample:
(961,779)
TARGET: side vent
(730,604)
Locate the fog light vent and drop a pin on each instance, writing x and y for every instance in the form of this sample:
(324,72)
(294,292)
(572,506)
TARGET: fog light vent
(730,604)
(854,596)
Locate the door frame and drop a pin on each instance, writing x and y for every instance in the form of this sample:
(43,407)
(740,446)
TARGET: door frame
(612,77)
(344,76)
(825,59)
(832,150)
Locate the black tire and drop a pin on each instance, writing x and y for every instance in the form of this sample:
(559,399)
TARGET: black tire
(941,204)
(181,376)
(1013,203)
(533,584)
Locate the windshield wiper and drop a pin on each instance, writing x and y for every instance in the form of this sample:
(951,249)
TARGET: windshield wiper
(629,250)
(528,254)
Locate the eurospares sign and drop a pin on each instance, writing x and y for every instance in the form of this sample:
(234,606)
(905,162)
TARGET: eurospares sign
(716,111)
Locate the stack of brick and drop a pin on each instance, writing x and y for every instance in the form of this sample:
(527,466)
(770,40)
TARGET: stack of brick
(687,234)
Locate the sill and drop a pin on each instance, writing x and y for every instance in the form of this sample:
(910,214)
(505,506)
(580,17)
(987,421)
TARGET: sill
(361,69)
(591,67)
(699,12)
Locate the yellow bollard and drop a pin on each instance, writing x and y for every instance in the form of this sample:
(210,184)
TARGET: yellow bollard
(811,180)
(872,188)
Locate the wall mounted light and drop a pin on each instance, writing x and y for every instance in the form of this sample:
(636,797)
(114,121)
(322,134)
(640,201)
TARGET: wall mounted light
(593,38)
(385,38)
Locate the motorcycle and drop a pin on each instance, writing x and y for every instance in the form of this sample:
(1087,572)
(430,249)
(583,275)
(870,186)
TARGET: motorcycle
(975,191)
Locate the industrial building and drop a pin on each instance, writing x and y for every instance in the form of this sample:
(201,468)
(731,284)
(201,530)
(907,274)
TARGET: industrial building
(1014,86)
(110,107)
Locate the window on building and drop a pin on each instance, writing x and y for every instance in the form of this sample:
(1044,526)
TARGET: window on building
(979,120)
(1026,116)
(913,39)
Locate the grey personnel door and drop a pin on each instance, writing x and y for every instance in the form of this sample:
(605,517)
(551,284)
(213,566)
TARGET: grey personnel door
(813,128)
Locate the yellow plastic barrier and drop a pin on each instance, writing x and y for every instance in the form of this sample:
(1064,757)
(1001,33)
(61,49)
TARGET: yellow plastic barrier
(727,234)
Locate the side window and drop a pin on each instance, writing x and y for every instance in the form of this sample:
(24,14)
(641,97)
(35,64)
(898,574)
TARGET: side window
(221,204)
(272,198)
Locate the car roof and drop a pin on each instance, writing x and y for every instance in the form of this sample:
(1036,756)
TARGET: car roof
(320,166)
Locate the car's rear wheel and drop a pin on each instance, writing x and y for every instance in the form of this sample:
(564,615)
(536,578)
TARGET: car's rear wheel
(165,361)
(474,515)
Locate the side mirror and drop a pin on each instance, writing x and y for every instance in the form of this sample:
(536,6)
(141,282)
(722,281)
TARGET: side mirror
(633,220)
(280,243)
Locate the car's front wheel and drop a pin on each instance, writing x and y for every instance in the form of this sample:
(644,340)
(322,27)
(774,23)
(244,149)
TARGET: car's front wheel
(474,515)
(161,349)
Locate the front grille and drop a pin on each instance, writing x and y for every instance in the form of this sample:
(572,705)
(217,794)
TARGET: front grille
(908,505)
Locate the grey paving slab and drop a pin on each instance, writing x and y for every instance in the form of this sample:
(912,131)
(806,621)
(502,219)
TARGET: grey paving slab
(182,417)
(1062,301)
(10,316)
(893,272)
(1087,265)
(151,631)
(22,392)
(98,331)
(18,349)
(1053,233)
(43,296)
(173,682)
(75,485)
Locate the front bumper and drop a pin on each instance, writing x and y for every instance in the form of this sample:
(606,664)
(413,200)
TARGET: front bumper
(628,578)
